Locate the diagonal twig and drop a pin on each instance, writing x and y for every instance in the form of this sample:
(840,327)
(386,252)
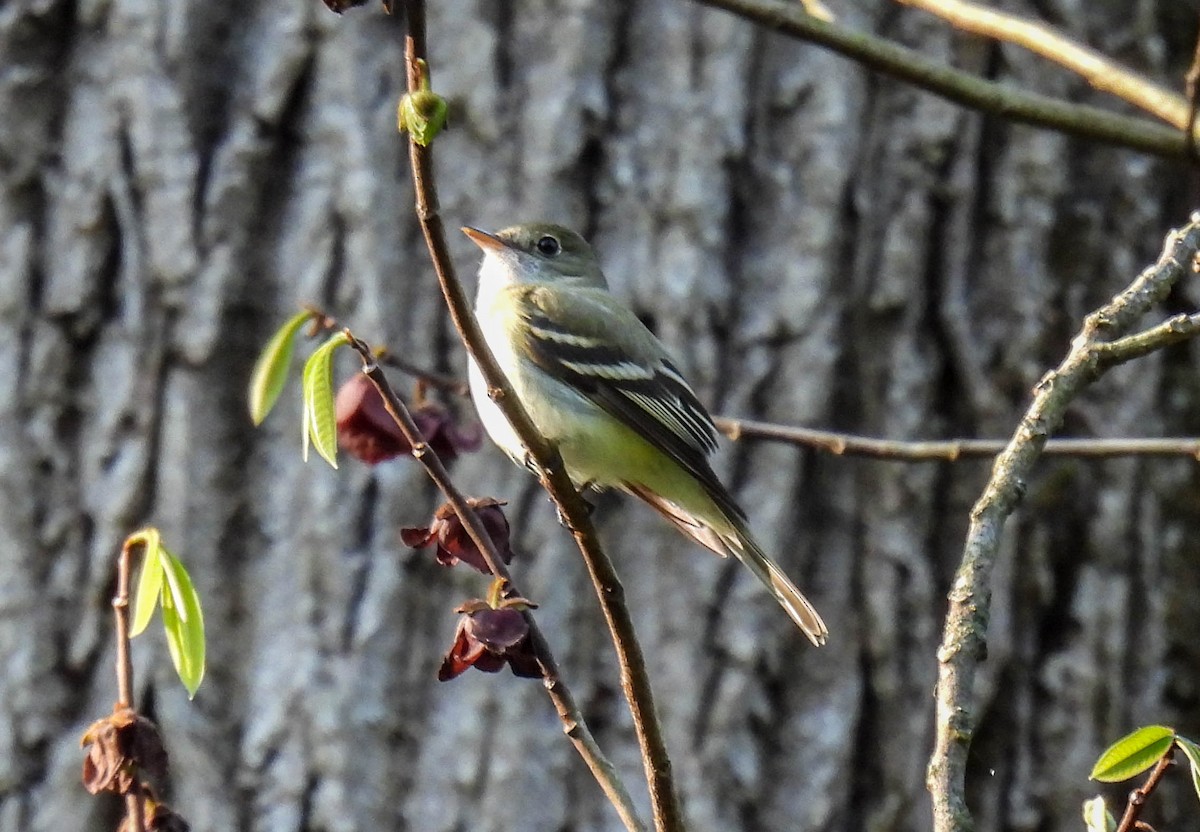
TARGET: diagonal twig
(961,87)
(1098,70)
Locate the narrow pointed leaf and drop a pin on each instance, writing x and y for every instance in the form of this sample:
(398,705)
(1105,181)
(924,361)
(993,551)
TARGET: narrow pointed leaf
(183,622)
(271,368)
(149,582)
(1133,754)
(320,424)
(1192,751)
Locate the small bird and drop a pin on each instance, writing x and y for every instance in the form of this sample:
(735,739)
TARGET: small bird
(599,384)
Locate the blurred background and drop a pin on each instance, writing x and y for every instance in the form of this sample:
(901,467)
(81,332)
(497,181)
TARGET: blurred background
(818,246)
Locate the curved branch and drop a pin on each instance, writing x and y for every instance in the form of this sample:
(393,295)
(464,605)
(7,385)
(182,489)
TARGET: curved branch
(635,682)
(1097,69)
(962,87)
(1101,343)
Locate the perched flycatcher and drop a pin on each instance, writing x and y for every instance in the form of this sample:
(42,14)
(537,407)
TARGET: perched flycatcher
(600,385)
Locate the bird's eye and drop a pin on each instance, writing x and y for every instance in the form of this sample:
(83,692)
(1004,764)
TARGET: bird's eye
(549,246)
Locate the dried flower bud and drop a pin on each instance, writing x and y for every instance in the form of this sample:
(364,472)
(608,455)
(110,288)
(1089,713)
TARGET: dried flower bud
(453,542)
(119,748)
(367,431)
(487,639)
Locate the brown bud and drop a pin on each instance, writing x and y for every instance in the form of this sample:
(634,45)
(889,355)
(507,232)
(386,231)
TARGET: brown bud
(367,431)
(487,639)
(453,542)
(119,748)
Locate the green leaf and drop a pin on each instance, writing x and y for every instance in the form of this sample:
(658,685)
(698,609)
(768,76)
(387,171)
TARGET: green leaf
(149,582)
(320,422)
(1133,754)
(1192,751)
(270,370)
(183,621)
(422,115)
(422,112)
(1096,816)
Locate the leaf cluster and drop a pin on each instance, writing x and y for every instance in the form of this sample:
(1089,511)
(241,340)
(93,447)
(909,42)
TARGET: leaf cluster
(165,583)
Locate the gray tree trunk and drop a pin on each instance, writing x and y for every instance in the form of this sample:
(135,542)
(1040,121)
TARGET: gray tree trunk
(817,245)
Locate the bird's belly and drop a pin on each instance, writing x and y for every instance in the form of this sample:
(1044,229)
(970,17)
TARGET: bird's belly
(596,449)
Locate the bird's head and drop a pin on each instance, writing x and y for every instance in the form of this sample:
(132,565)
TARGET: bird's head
(539,252)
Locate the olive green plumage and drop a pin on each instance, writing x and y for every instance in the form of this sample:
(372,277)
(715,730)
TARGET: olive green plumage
(600,385)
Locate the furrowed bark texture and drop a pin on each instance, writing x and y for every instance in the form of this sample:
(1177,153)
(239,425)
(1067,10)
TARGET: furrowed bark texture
(817,245)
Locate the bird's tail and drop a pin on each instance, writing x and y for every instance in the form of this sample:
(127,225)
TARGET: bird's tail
(801,610)
(736,540)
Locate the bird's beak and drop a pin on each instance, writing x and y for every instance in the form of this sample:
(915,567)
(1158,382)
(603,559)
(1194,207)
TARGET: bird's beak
(485,240)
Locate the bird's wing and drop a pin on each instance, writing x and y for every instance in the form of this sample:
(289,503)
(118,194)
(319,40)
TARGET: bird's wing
(589,340)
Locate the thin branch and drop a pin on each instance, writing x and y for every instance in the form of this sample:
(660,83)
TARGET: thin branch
(896,450)
(961,87)
(1172,331)
(574,725)
(441,381)
(948,450)
(1097,69)
(1137,797)
(120,603)
(635,682)
(964,638)
(324,322)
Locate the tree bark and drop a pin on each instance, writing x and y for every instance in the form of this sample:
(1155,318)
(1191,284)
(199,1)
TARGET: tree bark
(817,245)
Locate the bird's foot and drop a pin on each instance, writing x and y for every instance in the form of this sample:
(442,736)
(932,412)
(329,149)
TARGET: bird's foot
(589,508)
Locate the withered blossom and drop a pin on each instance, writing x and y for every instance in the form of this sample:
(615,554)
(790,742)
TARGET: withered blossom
(367,431)
(119,748)
(487,639)
(453,542)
